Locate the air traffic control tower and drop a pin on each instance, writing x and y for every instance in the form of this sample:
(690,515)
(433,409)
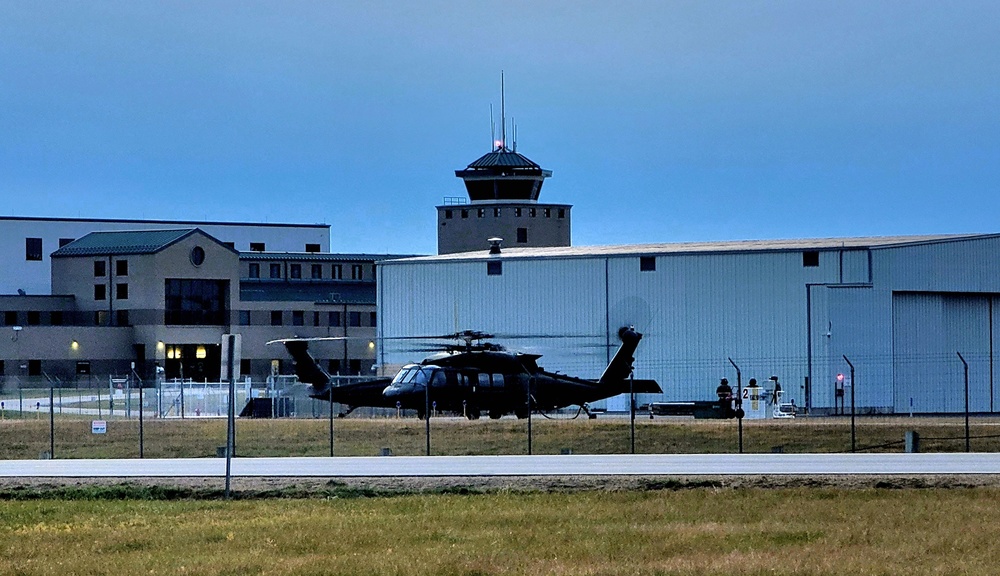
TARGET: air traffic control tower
(503,189)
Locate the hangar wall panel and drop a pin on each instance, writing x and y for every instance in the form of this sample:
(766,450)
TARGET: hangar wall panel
(563,300)
(928,330)
(699,310)
(958,266)
(861,329)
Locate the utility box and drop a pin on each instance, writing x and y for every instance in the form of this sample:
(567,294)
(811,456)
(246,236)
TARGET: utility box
(912,442)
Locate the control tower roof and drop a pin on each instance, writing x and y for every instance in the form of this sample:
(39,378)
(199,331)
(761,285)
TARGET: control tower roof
(503,174)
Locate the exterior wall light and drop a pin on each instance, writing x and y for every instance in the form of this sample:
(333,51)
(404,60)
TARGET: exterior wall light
(200,353)
(74,345)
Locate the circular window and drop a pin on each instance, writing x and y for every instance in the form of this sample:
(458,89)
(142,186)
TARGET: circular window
(197,255)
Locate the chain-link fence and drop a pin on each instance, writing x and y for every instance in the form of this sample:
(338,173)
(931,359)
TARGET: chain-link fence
(121,416)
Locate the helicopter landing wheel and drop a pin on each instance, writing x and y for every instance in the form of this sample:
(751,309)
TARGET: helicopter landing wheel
(472,414)
(495,414)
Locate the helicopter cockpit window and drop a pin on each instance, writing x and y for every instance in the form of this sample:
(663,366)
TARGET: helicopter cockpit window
(438,379)
(498,380)
(403,375)
(484,380)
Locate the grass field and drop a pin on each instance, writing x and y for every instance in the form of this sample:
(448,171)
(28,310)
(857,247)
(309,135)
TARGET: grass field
(27,438)
(696,532)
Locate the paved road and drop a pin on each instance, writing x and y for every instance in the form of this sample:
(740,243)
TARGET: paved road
(583,465)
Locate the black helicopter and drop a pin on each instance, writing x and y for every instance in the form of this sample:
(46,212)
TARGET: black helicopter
(475,378)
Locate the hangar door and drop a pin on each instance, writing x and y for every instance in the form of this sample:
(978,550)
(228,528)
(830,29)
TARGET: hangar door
(927,332)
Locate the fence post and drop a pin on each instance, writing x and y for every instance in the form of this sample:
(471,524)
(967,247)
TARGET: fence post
(52,423)
(331,418)
(739,401)
(966,370)
(853,383)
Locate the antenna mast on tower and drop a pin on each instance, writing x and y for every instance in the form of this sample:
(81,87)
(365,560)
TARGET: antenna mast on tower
(503,116)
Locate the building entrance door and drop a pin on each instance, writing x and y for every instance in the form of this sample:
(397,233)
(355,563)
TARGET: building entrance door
(198,362)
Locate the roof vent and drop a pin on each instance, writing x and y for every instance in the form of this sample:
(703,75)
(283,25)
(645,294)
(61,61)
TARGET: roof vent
(495,245)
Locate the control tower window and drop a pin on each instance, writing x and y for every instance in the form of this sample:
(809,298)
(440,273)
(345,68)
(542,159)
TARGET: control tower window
(256,246)
(481,213)
(447,214)
(465,213)
(531,212)
(496,212)
(517,212)
(522,235)
(562,212)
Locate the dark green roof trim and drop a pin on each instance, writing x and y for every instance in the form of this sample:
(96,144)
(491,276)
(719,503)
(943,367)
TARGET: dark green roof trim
(318,257)
(126,243)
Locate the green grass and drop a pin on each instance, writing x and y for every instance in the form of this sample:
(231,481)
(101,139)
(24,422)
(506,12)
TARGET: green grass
(689,532)
(27,438)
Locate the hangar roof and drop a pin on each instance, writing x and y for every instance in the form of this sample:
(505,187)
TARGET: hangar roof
(780,245)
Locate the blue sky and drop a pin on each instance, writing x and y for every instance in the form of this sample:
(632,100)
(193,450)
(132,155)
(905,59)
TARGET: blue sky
(661,121)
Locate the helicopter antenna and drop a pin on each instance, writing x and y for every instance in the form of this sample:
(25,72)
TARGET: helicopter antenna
(493,129)
(503,117)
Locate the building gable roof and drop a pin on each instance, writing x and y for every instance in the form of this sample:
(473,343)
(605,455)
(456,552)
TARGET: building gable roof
(125,242)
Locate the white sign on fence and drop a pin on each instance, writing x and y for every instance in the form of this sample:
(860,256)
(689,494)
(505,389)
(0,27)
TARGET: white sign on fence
(99,427)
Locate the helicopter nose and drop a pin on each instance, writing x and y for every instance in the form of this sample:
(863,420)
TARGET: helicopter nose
(390,391)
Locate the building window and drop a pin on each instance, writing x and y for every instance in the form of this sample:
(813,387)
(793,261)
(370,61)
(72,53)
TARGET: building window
(256,246)
(494,268)
(121,267)
(373,317)
(357,272)
(496,212)
(517,212)
(548,212)
(65,241)
(244,317)
(10,318)
(295,271)
(354,319)
(275,270)
(121,291)
(56,318)
(562,212)
(522,235)
(100,292)
(333,367)
(647,263)
(34,367)
(447,214)
(312,247)
(531,212)
(230,245)
(480,213)
(245,366)
(810,258)
(34,318)
(337,272)
(196,302)
(355,364)
(276,318)
(335,319)
(315,318)
(121,317)
(465,213)
(100,317)
(33,249)
(298,318)
(317,271)
(254,270)
(100,269)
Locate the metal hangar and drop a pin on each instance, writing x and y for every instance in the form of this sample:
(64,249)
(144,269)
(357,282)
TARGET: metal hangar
(900,309)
